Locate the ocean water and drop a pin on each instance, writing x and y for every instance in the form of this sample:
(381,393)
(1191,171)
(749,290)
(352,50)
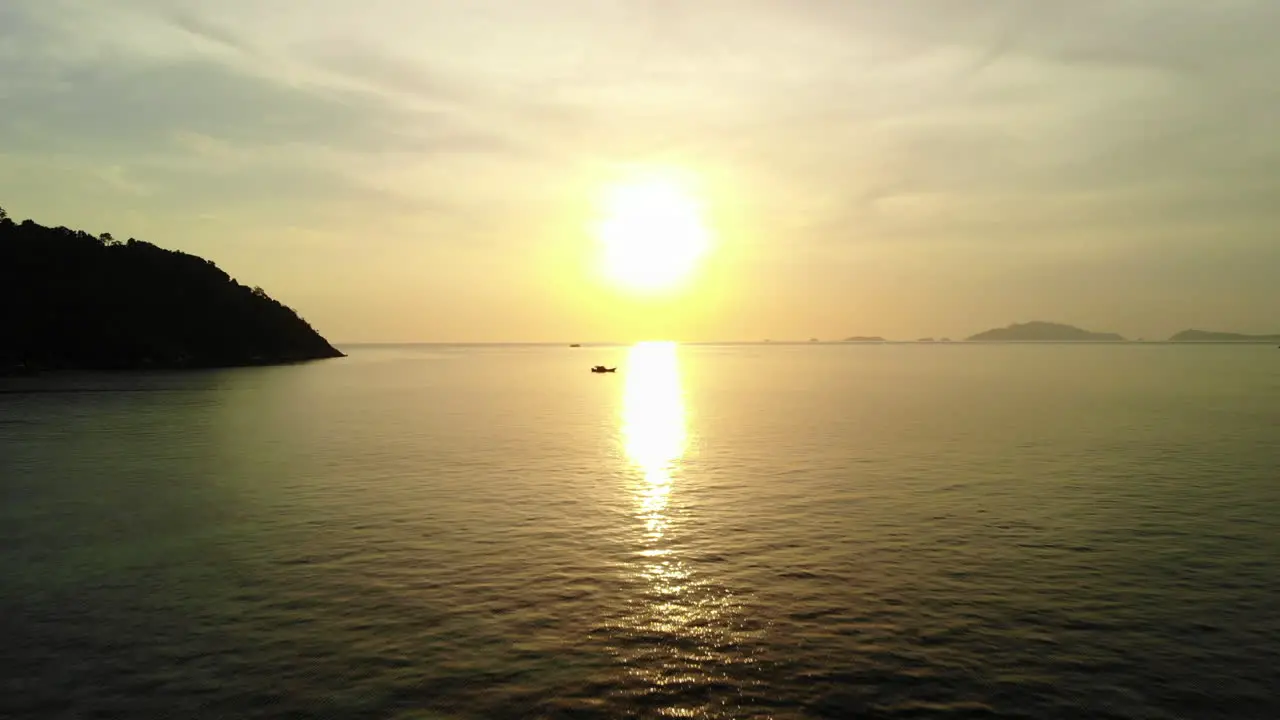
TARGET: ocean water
(756,531)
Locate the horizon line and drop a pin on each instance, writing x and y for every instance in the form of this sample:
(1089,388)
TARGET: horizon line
(627,343)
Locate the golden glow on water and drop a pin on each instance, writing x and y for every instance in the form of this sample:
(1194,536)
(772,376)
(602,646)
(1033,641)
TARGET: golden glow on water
(653,429)
(674,603)
(653,432)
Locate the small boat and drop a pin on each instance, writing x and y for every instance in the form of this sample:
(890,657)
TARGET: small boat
(575,345)
(603,369)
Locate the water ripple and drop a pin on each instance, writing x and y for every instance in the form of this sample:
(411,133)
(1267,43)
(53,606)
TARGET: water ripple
(821,532)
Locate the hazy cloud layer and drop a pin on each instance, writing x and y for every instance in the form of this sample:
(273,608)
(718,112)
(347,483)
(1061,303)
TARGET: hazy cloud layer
(922,168)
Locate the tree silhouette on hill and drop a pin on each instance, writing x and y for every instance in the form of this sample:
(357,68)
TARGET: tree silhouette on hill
(74,301)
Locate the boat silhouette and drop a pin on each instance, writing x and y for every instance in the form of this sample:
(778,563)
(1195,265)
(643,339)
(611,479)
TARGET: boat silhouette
(603,369)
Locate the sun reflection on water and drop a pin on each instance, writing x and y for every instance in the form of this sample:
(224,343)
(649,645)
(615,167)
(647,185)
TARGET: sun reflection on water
(682,628)
(655,438)
(653,429)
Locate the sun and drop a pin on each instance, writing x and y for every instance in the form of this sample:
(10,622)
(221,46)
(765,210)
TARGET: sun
(652,232)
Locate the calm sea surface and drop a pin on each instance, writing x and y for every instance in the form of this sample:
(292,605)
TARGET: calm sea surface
(805,531)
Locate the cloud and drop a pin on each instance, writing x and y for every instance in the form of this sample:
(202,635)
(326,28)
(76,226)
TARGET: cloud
(1083,120)
(209,30)
(134,99)
(134,109)
(1083,131)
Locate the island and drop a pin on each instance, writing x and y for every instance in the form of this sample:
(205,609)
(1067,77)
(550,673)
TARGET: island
(864,339)
(79,302)
(1039,331)
(1192,336)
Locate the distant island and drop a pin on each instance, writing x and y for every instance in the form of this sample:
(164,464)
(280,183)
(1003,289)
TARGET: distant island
(864,338)
(1038,331)
(81,302)
(1208,336)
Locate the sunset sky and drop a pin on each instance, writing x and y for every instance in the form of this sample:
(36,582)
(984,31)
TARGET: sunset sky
(435,170)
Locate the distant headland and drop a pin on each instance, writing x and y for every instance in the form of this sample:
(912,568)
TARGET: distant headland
(1222,337)
(1039,331)
(80,302)
(1054,332)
